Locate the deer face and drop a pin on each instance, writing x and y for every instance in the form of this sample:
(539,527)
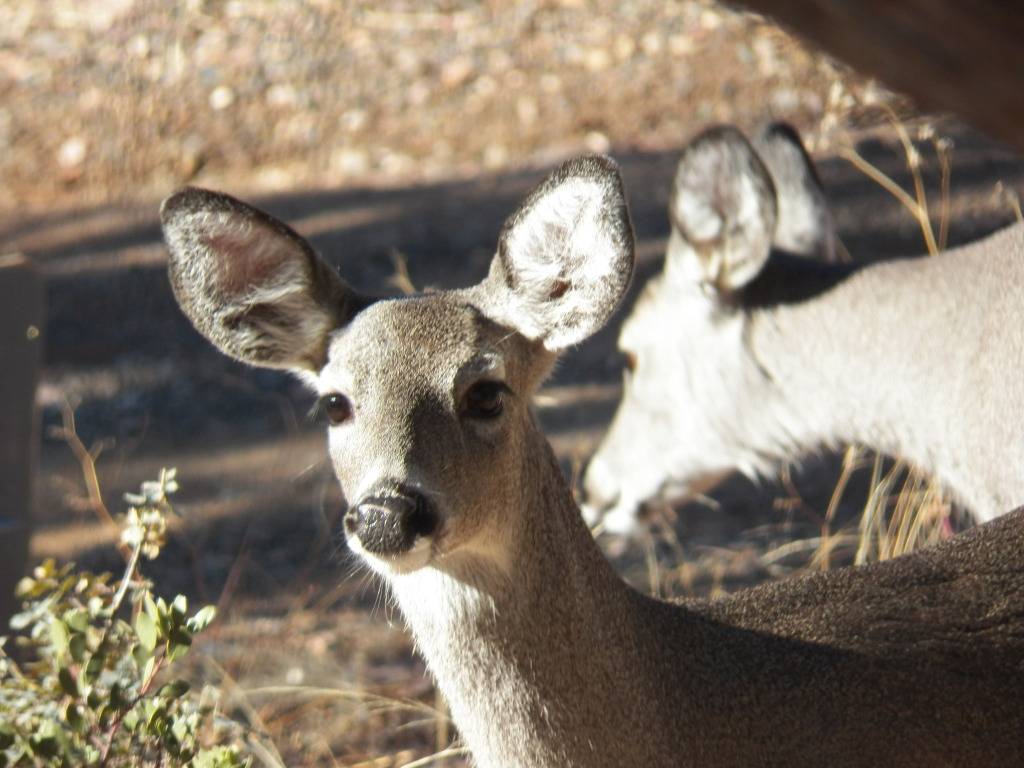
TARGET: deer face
(427,399)
(427,396)
(694,394)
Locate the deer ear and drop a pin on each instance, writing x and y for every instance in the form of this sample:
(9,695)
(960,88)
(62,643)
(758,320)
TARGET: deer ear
(805,226)
(249,283)
(723,209)
(565,257)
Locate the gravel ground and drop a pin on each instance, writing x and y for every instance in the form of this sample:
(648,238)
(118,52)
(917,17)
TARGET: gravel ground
(107,100)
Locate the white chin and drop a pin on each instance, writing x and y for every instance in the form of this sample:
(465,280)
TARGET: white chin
(591,514)
(394,565)
(621,520)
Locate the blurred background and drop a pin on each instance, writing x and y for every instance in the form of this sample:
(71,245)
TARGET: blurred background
(396,136)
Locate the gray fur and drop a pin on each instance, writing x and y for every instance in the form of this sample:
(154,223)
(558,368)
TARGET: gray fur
(548,660)
(250,283)
(805,223)
(916,358)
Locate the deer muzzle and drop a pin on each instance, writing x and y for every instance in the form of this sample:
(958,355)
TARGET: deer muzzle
(389,521)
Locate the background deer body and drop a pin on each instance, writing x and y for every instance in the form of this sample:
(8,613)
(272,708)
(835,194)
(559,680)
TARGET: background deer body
(745,357)
(546,657)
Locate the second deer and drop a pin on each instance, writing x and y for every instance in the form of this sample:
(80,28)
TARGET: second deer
(741,355)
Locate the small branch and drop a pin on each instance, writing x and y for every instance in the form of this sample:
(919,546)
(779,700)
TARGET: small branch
(87,461)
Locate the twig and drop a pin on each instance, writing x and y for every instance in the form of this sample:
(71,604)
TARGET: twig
(87,461)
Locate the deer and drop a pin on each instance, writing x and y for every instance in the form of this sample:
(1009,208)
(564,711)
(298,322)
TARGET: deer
(456,500)
(742,354)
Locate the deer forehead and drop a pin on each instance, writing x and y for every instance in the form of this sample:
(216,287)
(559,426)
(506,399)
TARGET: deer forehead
(434,342)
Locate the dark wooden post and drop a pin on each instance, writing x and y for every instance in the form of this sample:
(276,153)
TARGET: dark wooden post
(21,344)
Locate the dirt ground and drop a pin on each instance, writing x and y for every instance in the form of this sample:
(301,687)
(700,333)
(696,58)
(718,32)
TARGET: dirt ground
(390,134)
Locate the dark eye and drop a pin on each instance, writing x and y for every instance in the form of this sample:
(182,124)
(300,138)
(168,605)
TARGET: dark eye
(630,360)
(337,407)
(484,400)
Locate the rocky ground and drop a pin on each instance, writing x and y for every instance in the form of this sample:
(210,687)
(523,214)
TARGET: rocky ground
(396,136)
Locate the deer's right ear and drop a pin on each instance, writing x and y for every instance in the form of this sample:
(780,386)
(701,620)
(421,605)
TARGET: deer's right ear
(249,283)
(723,210)
(565,258)
(805,226)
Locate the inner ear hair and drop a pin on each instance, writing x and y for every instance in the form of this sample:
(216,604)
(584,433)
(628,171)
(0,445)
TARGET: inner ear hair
(250,283)
(724,206)
(565,257)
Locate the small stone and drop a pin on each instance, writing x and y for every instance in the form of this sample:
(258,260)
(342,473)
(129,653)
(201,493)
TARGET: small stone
(418,93)
(354,119)
(596,59)
(651,43)
(597,142)
(456,72)
(72,153)
(710,19)
(349,161)
(138,46)
(282,95)
(485,86)
(625,47)
(221,97)
(495,156)
(550,83)
(681,45)
(527,111)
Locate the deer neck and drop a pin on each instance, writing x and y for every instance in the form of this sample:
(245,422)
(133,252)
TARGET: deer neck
(523,657)
(843,364)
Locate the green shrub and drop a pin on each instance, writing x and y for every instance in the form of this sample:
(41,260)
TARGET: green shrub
(95,684)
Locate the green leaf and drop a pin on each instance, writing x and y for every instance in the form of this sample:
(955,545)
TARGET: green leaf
(73,716)
(175,689)
(150,607)
(203,618)
(58,637)
(77,620)
(6,736)
(175,651)
(145,629)
(21,620)
(68,683)
(180,636)
(24,588)
(131,720)
(179,607)
(117,697)
(92,668)
(141,656)
(44,746)
(76,645)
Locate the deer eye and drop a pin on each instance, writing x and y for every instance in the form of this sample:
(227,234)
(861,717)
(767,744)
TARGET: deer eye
(337,407)
(630,360)
(484,400)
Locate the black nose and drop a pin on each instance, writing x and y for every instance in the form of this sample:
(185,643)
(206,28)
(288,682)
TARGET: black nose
(388,521)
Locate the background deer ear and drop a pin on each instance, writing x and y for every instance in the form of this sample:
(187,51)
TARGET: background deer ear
(249,283)
(723,210)
(804,226)
(565,258)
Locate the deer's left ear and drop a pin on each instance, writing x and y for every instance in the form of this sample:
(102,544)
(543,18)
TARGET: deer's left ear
(565,257)
(250,284)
